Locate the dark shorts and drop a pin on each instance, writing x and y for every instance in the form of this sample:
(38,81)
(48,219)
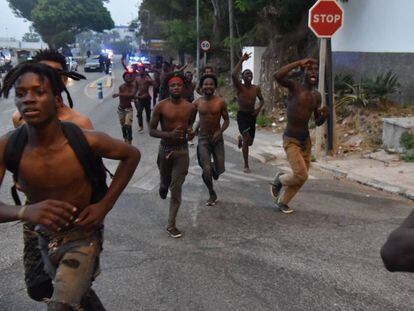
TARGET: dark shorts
(206,149)
(247,124)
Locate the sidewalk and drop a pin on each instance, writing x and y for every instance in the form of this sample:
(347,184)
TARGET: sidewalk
(387,174)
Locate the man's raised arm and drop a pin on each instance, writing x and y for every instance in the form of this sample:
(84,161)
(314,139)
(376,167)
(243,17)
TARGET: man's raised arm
(235,75)
(282,74)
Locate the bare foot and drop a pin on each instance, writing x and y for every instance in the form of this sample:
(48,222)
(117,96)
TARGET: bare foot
(247,170)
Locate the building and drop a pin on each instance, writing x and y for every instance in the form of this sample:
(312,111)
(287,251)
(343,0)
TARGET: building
(377,37)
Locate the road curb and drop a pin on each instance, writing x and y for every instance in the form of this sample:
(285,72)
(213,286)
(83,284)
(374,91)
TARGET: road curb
(371,182)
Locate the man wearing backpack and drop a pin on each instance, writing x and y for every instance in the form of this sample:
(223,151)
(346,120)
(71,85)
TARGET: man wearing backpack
(69,202)
(57,61)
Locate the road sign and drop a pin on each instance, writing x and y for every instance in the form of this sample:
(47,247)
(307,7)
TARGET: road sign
(205,45)
(326,18)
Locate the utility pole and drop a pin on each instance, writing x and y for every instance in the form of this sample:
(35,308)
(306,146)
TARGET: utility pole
(198,39)
(231,27)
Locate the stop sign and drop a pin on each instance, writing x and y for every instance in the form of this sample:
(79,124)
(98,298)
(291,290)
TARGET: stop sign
(325,18)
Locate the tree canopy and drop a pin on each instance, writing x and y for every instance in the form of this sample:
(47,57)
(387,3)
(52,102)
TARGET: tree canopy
(256,22)
(59,21)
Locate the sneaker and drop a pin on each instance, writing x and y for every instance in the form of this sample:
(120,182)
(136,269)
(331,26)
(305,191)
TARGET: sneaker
(285,209)
(212,200)
(140,129)
(174,232)
(276,186)
(163,193)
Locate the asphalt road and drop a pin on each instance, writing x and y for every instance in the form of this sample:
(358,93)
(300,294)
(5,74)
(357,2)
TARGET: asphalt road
(238,255)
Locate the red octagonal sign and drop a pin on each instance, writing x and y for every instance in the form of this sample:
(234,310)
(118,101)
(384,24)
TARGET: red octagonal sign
(325,18)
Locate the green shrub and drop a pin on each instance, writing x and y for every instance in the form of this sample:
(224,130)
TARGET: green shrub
(407,140)
(221,81)
(262,120)
(232,107)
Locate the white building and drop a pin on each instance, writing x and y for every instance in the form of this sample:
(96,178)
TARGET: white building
(377,36)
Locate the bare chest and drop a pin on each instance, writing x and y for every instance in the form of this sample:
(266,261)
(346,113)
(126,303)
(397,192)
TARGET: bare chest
(53,174)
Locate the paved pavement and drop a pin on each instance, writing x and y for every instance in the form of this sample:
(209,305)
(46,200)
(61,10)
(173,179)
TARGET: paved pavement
(240,254)
(381,172)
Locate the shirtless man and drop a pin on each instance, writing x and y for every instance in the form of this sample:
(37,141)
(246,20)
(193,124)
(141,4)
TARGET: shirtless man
(143,97)
(304,101)
(67,204)
(57,61)
(247,113)
(31,253)
(211,109)
(126,94)
(176,116)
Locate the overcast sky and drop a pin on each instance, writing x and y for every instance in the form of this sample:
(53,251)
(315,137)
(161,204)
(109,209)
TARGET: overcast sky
(122,12)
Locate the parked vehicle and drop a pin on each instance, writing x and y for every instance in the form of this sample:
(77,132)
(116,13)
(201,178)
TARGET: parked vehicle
(92,64)
(5,60)
(71,64)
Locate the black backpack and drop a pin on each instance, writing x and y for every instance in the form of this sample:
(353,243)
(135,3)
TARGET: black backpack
(92,165)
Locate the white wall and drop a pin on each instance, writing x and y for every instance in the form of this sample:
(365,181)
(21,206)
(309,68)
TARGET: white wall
(255,62)
(376,26)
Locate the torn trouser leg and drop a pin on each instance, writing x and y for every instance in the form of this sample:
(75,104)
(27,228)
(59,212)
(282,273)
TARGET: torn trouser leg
(72,264)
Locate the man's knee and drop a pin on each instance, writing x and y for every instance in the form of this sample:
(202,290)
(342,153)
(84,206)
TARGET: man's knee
(207,172)
(301,177)
(41,291)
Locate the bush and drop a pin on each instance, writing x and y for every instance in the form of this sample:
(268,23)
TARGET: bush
(262,120)
(407,140)
(221,81)
(232,107)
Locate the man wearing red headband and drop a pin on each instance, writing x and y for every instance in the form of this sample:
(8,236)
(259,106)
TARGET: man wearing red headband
(176,116)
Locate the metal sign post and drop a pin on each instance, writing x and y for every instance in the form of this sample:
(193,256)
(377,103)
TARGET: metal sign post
(325,19)
(205,46)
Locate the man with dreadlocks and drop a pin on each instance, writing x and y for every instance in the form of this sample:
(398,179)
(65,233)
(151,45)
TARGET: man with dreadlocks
(211,109)
(176,116)
(57,61)
(67,203)
(247,112)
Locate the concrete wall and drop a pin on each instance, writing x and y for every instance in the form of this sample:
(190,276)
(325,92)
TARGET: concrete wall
(372,64)
(255,62)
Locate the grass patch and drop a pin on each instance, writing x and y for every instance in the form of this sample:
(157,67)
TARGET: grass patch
(263,121)
(232,107)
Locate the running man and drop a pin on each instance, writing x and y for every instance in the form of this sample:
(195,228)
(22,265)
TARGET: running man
(176,116)
(304,101)
(33,265)
(57,61)
(126,94)
(143,97)
(211,109)
(68,203)
(247,113)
